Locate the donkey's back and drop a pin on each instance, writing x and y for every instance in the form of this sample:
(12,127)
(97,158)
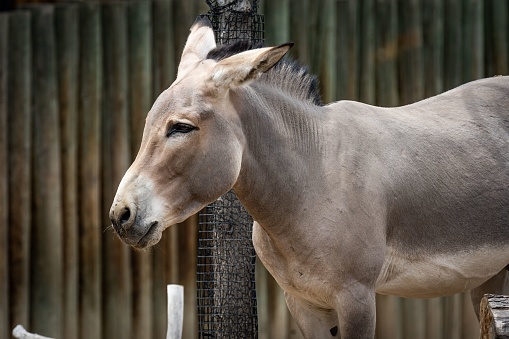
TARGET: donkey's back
(441,170)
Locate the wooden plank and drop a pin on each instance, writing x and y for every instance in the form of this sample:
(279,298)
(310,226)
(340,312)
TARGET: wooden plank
(140,67)
(163,51)
(4,198)
(47,227)
(453,46)
(388,317)
(327,66)
(386,53)
(19,160)
(140,89)
(347,46)
(277,22)
(184,14)
(90,228)
(500,27)
(434,318)
(470,328)
(473,40)
(410,52)
(367,74)
(300,30)
(262,300)
(414,318)
(433,51)
(116,158)
(494,317)
(453,317)
(67,40)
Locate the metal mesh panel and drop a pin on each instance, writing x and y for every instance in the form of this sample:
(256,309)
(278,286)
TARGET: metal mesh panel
(236,20)
(226,257)
(226,264)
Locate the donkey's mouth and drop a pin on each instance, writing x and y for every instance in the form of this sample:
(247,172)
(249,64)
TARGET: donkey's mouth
(151,237)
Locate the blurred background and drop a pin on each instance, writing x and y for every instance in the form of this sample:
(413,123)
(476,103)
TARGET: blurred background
(76,81)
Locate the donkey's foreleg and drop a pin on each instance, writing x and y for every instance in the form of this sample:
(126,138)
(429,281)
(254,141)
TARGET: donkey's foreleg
(498,284)
(313,322)
(356,309)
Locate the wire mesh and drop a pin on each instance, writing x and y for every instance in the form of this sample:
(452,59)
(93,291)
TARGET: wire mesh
(236,20)
(226,268)
(226,257)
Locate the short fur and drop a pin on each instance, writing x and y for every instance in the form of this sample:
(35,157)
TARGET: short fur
(349,199)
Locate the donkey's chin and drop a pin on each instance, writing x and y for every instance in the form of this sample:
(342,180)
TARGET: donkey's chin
(144,236)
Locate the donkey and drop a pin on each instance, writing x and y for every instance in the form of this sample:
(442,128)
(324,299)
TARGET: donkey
(348,199)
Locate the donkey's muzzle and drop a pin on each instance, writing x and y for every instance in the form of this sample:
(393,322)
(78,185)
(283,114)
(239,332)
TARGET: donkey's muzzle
(122,218)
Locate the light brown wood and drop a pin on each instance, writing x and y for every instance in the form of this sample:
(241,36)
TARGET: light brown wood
(494,317)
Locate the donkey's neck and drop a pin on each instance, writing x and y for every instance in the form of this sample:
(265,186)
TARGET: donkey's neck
(282,152)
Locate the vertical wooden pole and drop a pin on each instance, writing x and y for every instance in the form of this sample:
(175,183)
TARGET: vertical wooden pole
(277,22)
(140,93)
(299,20)
(67,40)
(410,52)
(473,40)
(500,12)
(185,13)
(19,165)
(116,158)
(367,70)
(453,50)
(4,202)
(433,51)
(47,258)
(90,77)
(164,64)
(328,49)
(386,53)
(348,48)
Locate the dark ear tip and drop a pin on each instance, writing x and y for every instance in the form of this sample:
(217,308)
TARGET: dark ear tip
(286,44)
(201,21)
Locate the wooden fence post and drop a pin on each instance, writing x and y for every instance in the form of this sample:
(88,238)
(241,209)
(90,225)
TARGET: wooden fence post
(67,41)
(19,164)
(4,234)
(494,317)
(46,245)
(90,78)
(116,158)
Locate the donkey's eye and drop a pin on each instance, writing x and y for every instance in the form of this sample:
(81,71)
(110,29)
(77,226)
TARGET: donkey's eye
(179,128)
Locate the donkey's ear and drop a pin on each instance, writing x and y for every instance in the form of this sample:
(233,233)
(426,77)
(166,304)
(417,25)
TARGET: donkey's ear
(199,43)
(242,68)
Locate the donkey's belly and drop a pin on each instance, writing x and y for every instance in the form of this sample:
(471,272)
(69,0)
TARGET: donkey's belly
(427,276)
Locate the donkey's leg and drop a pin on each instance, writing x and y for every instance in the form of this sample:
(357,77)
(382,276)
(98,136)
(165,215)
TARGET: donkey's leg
(313,322)
(499,284)
(356,309)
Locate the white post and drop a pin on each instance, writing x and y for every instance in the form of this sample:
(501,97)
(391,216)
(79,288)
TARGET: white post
(175,311)
(20,333)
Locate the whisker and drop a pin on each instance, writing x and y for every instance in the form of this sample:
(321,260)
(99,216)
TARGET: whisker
(108,228)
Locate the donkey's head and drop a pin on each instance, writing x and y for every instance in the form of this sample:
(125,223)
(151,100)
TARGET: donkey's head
(192,146)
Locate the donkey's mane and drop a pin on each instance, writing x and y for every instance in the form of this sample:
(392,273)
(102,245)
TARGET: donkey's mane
(288,75)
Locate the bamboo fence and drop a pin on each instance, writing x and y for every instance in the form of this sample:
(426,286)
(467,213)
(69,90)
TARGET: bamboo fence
(76,81)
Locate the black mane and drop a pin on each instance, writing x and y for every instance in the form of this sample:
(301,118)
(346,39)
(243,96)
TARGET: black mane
(287,74)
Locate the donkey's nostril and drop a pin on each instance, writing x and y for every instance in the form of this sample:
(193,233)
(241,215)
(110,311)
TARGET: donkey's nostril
(124,217)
